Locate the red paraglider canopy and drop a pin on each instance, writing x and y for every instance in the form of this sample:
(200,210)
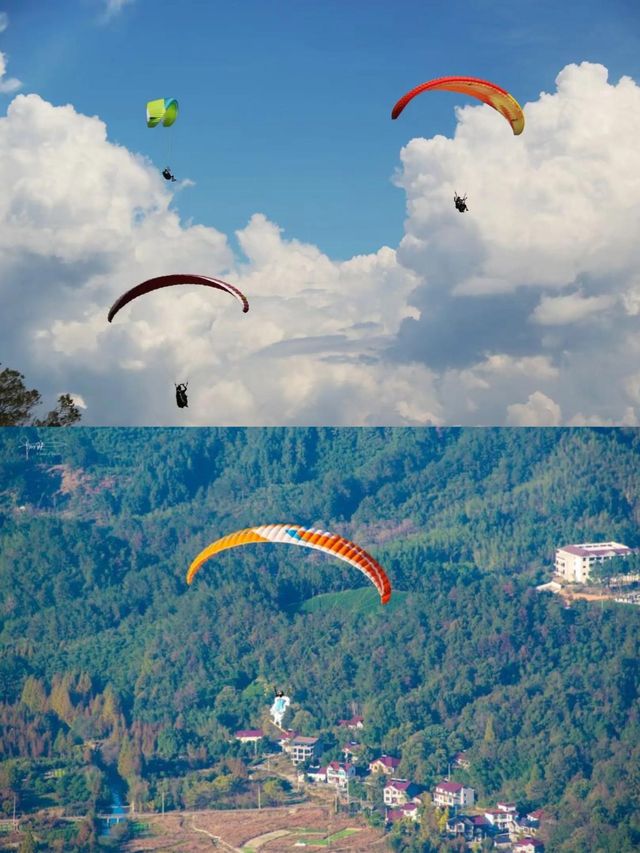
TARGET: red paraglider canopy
(483,90)
(169,281)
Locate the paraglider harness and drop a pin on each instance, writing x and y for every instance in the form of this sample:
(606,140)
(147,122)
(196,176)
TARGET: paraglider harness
(181,395)
(166,174)
(460,202)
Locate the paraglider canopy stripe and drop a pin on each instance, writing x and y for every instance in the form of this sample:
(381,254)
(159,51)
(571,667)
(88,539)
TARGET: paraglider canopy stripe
(169,281)
(308,537)
(163,110)
(489,93)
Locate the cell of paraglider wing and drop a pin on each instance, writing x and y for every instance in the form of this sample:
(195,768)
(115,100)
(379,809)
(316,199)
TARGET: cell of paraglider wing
(169,281)
(308,537)
(491,94)
(163,110)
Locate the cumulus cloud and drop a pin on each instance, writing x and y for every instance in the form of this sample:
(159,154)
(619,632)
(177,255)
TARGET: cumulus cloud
(83,220)
(559,310)
(7,84)
(544,265)
(539,410)
(522,311)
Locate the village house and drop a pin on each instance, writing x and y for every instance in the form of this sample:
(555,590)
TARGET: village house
(574,562)
(301,749)
(470,827)
(525,826)
(460,760)
(499,820)
(398,792)
(354,723)
(340,774)
(317,774)
(249,735)
(285,739)
(407,810)
(352,751)
(528,845)
(448,794)
(384,764)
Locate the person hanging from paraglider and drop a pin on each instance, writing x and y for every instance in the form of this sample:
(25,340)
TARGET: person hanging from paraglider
(163,111)
(460,202)
(181,395)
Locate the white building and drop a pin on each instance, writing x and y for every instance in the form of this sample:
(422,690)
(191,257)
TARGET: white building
(301,748)
(574,562)
(340,774)
(449,794)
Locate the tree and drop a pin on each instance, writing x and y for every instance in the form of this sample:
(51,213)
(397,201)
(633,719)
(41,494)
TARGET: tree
(17,402)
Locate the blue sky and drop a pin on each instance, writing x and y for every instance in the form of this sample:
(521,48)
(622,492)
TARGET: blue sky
(285,103)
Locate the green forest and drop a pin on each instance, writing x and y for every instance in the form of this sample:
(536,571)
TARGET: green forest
(103,643)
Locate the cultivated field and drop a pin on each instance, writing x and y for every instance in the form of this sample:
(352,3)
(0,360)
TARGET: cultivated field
(308,826)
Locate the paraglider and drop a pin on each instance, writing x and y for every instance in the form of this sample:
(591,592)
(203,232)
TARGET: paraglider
(165,111)
(170,280)
(308,537)
(181,395)
(485,91)
(460,202)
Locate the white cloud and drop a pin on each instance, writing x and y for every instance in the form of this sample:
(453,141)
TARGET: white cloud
(7,84)
(559,310)
(4,21)
(531,296)
(539,410)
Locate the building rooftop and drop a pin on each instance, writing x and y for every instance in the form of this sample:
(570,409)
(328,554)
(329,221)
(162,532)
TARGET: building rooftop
(449,787)
(596,549)
(388,761)
(398,784)
(250,733)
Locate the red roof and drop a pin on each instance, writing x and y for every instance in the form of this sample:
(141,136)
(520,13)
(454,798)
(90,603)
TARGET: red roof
(352,722)
(401,811)
(250,733)
(398,784)
(338,765)
(388,761)
(449,787)
(301,740)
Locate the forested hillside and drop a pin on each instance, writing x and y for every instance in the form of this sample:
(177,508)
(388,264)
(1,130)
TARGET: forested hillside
(102,640)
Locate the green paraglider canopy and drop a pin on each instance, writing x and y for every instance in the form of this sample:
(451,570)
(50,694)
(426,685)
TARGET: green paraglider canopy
(163,110)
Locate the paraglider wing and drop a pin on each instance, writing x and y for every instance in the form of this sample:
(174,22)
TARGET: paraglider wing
(491,94)
(308,537)
(170,280)
(163,110)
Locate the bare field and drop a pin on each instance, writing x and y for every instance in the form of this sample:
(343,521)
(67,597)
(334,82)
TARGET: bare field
(268,830)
